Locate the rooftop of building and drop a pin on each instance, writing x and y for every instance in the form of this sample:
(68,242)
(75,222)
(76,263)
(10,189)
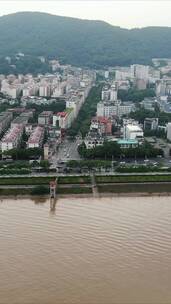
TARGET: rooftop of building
(4,115)
(12,134)
(46,113)
(20,120)
(101,119)
(148,119)
(36,135)
(134,127)
(167,108)
(127,141)
(61,114)
(17,110)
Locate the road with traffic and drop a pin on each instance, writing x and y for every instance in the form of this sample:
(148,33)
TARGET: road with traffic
(66,151)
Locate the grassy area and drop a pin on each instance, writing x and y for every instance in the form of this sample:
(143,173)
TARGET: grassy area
(138,188)
(44,180)
(84,179)
(133,178)
(25,180)
(74,180)
(68,190)
(75,190)
(15,192)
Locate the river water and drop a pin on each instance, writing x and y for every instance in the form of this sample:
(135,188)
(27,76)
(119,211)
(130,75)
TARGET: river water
(88,251)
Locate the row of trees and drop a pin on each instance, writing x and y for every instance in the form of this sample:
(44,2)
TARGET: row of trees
(112,150)
(155,133)
(141,169)
(24,154)
(88,110)
(141,114)
(89,164)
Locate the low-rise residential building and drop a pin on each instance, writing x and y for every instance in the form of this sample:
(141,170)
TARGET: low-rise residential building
(20,120)
(133,131)
(45,118)
(12,138)
(64,119)
(106,109)
(101,125)
(93,140)
(125,108)
(36,138)
(149,103)
(109,109)
(151,124)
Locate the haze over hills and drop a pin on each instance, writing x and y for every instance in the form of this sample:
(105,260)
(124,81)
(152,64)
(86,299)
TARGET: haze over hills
(81,42)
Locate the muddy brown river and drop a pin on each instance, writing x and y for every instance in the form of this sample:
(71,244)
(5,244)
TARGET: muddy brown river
(87,251)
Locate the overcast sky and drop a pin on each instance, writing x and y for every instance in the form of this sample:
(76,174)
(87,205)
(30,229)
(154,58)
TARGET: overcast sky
(124,13)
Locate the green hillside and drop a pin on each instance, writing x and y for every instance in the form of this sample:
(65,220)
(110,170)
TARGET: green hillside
(81,42)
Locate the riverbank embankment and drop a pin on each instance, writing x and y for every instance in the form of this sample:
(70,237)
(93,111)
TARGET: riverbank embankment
(84,185)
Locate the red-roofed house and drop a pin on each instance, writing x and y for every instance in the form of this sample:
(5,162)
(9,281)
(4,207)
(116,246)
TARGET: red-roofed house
(102,125)
(36,138)
(12,138)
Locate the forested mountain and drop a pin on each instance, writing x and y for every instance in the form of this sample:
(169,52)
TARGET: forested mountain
(81,42)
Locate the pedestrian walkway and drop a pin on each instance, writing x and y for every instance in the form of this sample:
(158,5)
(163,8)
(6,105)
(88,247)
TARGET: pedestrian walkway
(94,186)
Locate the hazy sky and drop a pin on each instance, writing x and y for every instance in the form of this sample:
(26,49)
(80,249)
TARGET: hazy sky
(124,13)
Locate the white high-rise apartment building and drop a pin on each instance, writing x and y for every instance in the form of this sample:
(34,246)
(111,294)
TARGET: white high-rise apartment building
(106,109)
(44,91)
(140,71)
(105,94)
(123,74)
(73,104)
(113,93)
(169,131)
